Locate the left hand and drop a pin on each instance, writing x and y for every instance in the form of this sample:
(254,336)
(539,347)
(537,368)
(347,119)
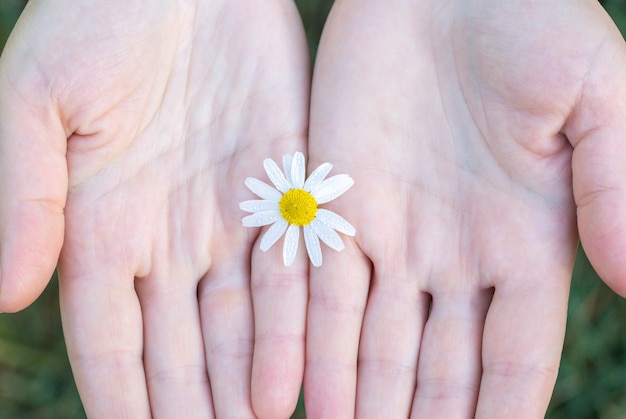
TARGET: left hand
(477,134)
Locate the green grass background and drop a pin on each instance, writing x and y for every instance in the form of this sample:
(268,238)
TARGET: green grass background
(35,376)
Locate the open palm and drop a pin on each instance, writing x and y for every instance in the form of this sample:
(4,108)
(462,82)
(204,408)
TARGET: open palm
(474,131)
(136,126)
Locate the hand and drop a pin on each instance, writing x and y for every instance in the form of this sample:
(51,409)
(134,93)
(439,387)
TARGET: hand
(126,131)
(476,132)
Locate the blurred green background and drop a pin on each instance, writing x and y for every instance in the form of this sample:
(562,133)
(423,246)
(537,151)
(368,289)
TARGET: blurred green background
(36,381)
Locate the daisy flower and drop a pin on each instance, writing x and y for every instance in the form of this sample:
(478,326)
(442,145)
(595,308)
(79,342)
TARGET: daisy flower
(294,202)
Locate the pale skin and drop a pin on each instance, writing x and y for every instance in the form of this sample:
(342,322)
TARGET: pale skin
(482,136)
(125,138)
(126,132)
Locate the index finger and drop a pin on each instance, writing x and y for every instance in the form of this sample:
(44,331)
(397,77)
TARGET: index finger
(522,344)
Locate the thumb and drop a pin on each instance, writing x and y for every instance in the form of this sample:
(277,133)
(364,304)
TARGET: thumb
(597,130)
(33,177)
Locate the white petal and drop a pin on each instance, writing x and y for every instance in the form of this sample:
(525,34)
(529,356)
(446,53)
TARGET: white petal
(327,235)
(331,188)
(273,234)
(312,246)
(317,176)
(258,205)
(290,247)
(298,170)
(335,221)
(287,167)
(276,176)
(259,219)
(262,189)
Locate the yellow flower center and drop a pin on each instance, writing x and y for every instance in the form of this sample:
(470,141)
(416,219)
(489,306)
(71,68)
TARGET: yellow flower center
(298,207)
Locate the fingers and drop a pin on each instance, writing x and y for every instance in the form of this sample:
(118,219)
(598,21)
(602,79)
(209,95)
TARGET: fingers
(338,294)
(280,299)
(449,370)
(174,359)
(597,131)
(228,330)
(33,180)
(522,343)
(103,330)
(390,342)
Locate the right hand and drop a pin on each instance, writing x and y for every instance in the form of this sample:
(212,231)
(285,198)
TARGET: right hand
(126,131)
